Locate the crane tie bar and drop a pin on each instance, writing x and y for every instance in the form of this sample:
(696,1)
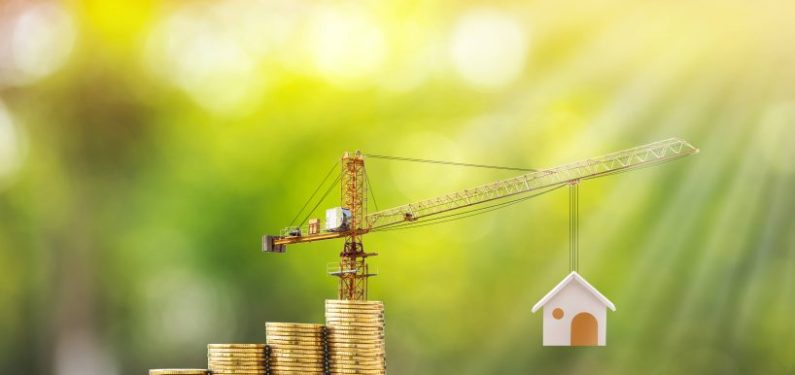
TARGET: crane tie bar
(398,158)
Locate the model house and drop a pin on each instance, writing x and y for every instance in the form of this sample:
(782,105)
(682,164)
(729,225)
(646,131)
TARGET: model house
(575,314)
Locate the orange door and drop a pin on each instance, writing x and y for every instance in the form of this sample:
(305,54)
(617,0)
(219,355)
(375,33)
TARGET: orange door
(584,330)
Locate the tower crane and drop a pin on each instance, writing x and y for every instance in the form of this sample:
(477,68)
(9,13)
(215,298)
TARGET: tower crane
(351,221)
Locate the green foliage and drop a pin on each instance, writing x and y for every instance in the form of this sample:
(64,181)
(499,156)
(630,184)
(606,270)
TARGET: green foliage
(149,171)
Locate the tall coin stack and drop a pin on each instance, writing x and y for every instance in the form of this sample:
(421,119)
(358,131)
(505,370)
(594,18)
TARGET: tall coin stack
(297,348)
(238,359)
(178,371)
(356,337)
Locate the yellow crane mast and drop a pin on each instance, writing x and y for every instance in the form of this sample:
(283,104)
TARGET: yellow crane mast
(351,220)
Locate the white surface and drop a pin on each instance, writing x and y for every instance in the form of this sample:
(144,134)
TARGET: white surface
(334,218)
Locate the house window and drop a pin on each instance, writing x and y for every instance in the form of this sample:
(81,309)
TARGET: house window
(557,313)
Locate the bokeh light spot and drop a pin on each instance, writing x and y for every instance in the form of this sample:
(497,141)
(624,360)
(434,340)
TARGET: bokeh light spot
(43,38)
(200,53)
(488,48)
(348,47)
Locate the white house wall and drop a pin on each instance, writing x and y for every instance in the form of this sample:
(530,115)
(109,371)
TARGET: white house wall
(573,299)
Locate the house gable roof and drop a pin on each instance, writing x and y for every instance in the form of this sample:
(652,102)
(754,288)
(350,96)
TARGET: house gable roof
(573,276)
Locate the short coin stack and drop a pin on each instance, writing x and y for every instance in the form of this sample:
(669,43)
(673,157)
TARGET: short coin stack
(178,371)
(356,337)
(297,348)
(238,359)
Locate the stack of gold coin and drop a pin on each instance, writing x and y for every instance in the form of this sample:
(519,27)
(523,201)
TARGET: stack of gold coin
(178,371)
(238,359)
(356,337)
(297,348)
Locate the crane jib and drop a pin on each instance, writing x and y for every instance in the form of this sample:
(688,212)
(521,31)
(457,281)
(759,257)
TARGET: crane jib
(617,162)
(614,163)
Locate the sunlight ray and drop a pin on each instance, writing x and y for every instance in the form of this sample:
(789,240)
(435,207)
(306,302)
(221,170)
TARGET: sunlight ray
(735,218)
(704,90)
(774,226)
(703,179)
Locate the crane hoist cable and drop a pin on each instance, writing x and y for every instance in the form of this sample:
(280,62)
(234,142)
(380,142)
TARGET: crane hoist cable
(370,189)
(574,208)
(331,187)
(333,168)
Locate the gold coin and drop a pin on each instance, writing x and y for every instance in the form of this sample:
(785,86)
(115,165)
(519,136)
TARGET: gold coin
(236,359)
(296,338)
(356,332)
(358,361)
(298,361)
(346,310)
(339,346)
(176,371)
(298,370)
(357,353)
(360,340)
(294,325)
(356,306)
(333,320)
(337,327)
(358,371)
(297,354)
(215,366)
(349,326)
(277,332)
(295,331)
(296,349)
(217,358)
(355,335)
(245,361)
(316,347)
(236,368)
(293,360)
(288,357)
(236,355)
(249,356)
(358,309)
(238,351)
(342,315)
(354,312)
(333,323)
(353,302)
(277,368)
(236,346)
(342,320)
(362,344)
(377,350)
(352,338)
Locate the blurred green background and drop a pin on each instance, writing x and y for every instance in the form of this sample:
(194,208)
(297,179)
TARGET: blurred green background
(146,146)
